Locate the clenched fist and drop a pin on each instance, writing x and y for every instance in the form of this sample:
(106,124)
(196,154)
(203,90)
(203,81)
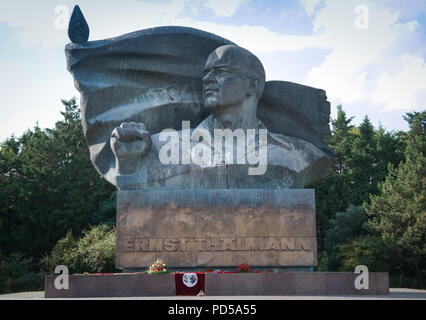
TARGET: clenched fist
(129,143)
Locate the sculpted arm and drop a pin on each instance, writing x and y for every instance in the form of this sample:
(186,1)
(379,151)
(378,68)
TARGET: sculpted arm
(130,143)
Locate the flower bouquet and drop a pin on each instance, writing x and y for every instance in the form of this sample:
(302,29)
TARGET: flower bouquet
(244,267)
(158,267)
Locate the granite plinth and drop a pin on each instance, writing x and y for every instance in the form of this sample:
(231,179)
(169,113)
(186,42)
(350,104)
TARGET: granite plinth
(226,284)
(216,228)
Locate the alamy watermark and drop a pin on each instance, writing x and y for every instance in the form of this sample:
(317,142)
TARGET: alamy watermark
(201,148)
(362,281)
(62,281)
(362,19)
(62,19)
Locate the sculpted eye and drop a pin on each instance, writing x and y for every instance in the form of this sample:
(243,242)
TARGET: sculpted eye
(205,73)
(222,70)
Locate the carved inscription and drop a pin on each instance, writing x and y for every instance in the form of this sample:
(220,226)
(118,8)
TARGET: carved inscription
(209,228)
(215,244)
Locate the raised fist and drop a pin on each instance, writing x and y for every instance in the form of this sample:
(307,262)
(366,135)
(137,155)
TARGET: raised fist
(129,143)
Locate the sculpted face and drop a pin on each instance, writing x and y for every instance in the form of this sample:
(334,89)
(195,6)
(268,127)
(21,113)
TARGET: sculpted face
(225,82)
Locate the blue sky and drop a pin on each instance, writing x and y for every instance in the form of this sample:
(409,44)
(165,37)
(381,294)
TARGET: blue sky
(372,62)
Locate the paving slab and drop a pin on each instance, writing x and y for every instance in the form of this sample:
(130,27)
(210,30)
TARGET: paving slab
(395,294)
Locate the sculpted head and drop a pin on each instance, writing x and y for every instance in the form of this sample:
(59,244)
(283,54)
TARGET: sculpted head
(232,76)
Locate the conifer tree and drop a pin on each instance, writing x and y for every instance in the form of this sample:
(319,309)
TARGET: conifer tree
(398,213)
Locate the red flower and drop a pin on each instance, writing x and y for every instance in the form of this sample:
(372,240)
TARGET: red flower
(244,267)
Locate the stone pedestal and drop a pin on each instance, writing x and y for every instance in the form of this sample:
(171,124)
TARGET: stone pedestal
(231,284)
(216,228)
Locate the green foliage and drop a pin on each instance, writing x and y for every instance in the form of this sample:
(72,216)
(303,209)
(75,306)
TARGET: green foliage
(323,264)
(94,252)
(15,265)
(382,172)
(33,281)
(398,213)
(393,237)
(16,274)
(106,214)
(331,196)
(157,272)
(49,186)
(339,138)
(62,254)
(345,227)
(361,163)
(365,250)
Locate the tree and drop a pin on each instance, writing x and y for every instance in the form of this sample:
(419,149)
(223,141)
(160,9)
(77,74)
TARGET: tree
(333,192)
(398,213)
(331,196)
(361,162)
(365,250)
(49,186)
(368,160)
(340,133)
(346,226)
(93,252)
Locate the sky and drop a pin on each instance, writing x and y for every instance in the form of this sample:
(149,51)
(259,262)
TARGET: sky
(369,55)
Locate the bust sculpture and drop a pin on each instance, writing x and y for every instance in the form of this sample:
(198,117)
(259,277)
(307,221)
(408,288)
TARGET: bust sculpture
(136,86)
(233,83)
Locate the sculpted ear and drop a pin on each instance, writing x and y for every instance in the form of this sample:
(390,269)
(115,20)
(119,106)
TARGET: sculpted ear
(254,86)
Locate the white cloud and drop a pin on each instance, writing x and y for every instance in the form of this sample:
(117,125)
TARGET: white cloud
(225,8)
(256,38)
(30,93)
(363,64)
(310,6)
(35,23)
(368,64)
(401,89)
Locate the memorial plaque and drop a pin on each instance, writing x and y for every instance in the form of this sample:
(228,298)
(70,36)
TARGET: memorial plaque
(216,228)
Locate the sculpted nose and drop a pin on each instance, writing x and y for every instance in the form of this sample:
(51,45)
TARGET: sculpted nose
(208,77)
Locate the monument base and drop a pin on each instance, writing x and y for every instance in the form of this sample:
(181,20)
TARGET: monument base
(216,229)
(224,284)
